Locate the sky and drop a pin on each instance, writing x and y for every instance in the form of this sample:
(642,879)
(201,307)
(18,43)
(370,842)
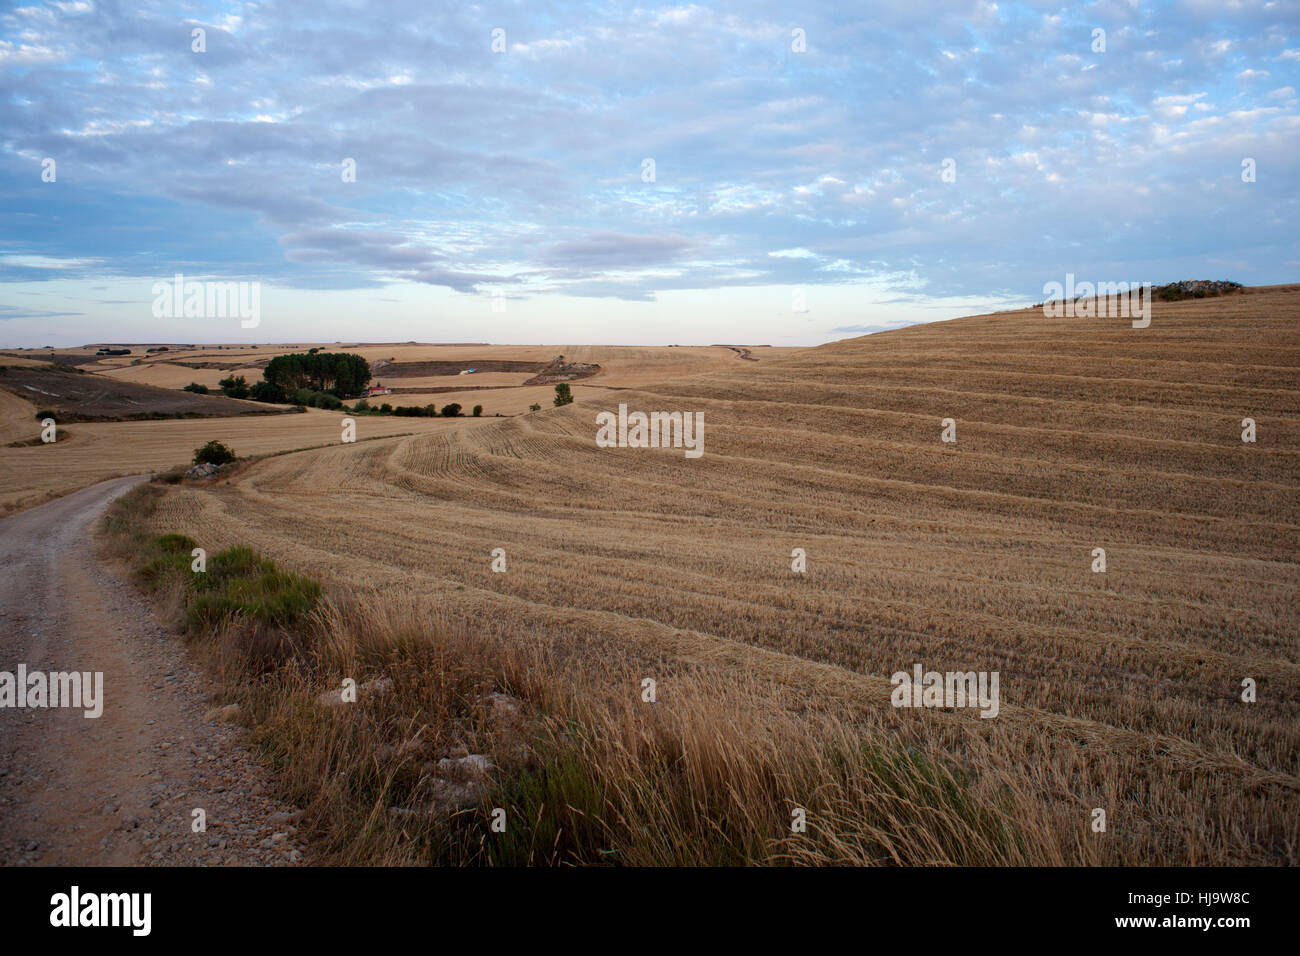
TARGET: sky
(619,173)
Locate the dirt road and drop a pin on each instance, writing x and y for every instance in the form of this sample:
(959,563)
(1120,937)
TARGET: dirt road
(119,789)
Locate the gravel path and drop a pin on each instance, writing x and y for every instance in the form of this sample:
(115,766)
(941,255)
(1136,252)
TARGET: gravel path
(119,789)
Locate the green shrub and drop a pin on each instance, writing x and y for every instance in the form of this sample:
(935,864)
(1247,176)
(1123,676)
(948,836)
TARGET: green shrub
(196,388)
(451,411)
(214,453)
(478,410)
(563,394)
(233,387)
(241,583)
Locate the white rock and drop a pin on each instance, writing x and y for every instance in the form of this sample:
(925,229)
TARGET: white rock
(334,698)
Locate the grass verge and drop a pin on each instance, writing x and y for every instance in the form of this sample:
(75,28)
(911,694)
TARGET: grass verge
(479,748)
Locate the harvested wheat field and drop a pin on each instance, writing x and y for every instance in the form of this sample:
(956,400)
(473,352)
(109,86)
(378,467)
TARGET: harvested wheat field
(1120,690)
(95,451)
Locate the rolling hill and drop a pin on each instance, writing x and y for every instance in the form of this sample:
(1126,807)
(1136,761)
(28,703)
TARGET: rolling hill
(1120,690)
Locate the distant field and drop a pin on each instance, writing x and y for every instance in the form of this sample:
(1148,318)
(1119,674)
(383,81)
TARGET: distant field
(169,375)
(113,387)
(1119,690)
(76,395)
(99,450)
(417,367)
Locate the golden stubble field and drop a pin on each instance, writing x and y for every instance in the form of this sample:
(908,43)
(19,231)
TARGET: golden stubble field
(1119,690)
(96,451)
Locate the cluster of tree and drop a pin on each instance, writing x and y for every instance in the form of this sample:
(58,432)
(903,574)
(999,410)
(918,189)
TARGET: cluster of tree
(316,379)
(341,374)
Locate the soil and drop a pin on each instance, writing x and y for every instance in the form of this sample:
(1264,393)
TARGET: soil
(119,789)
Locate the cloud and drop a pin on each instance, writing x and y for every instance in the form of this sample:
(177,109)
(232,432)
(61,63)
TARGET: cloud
(525,168)
(615,250)
(14,312)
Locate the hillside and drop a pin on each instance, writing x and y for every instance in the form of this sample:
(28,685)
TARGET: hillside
(1120,690)
(78,396)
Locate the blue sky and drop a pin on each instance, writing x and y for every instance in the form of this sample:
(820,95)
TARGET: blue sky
(798,196)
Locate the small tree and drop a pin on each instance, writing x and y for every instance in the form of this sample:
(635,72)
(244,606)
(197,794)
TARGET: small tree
(234,387)
(214,453)
(196,388)
(563,396)
(534,407)
(451,411)
(478,410)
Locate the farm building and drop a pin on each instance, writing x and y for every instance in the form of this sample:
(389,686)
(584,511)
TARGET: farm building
(379,388)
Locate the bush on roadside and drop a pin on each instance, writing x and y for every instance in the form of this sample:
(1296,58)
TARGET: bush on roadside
(214,453)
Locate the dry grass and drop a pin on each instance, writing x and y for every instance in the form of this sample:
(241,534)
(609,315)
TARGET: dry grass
(1119,690)
(706,776)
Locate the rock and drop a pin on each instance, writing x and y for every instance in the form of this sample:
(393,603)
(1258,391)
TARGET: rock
(334,698)
(475,765)
(451,794)
(405,813)
(503,705)
(205,470)
(292,816)
(388,751)
(229,712)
